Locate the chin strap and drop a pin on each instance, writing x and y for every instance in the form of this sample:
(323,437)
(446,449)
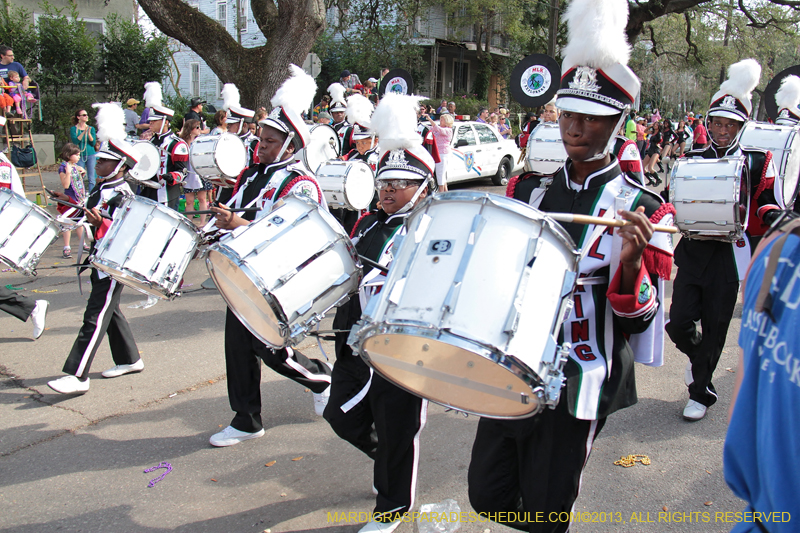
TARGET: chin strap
(613,138)
(410,205)
(115,171)
(734,142)
(289,138)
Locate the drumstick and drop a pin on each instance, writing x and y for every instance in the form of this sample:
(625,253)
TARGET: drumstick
(235,210)
(369,262)
(70,204)
(586,219)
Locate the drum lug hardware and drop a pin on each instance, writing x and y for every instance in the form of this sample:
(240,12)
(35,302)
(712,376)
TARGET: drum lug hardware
(425,347)
(420,363)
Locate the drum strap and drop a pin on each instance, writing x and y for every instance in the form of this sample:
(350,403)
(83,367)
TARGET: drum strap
(538,194)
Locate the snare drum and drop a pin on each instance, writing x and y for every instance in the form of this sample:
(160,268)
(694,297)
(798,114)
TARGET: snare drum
(446,326)
(323,145)
(546,153)
(711,198)
(784,143)
(215,156)
(148,247)
(30,229)
(280,274)
(347,184)
(149,161)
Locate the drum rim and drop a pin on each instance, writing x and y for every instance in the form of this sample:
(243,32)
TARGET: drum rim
(505,361)
(172,213)
(33,207)
(792,138)
(123,275)
(247,270)
(515,206)
(358,163)
(305,149)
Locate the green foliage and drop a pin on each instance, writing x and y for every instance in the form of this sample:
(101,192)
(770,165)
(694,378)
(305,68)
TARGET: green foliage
(18,32)
(67,52)
(59,110)
(130,58)
(466,104)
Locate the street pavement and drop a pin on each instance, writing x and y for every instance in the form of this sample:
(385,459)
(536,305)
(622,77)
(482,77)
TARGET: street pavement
(76,463)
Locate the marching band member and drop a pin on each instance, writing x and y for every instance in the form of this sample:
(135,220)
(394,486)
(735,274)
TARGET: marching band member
(359,110)
(535,464)
(173,150)
(13,303)
(338,110)
(709,271)
(372,414)
(103,315)
(236,121)
(283,133)
(788,98)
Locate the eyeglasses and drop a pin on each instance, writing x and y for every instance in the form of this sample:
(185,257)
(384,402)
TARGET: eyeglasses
(83,115)
(396,184)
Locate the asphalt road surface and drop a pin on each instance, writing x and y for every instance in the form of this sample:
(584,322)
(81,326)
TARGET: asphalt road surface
(75,463)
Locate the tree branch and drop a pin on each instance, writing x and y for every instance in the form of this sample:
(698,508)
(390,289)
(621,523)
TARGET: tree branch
(265,13)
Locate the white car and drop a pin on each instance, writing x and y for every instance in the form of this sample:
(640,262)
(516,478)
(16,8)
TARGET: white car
(478,151)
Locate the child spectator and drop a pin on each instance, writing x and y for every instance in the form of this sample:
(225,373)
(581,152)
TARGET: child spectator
(71,175)
(16,92)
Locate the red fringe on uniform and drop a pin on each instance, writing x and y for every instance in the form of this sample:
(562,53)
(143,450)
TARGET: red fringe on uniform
(238,181)
(763,182)
(355,226)
(297,180)
(655,259)
(512,186)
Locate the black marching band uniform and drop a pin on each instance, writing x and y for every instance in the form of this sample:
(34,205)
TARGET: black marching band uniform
(261,186)
(240,116)
(372,414)
(535,464)
(707,284)
(103,315)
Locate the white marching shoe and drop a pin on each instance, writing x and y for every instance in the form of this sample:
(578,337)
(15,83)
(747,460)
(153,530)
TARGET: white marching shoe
(230,436)
(121,370)
(321,400)
(694,411)
(380,527)
(69,385)
(38,316)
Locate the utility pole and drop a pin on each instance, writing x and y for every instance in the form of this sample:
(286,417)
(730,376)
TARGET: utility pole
(239,21)
(553,37)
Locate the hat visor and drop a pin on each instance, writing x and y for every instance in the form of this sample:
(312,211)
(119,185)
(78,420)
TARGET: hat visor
(586,107)
(107,154)
(272,123)
(399,174)
(363,135)
(726,114)
(337,109)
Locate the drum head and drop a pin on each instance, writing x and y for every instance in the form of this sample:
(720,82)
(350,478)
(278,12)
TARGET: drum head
(535,80)
(397,81)
(359,185)
(245,299)
(451,376)
(149,161)
(230,155)
(323,145)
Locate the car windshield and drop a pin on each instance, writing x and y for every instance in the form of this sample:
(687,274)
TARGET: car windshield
(485,134)
(465,133)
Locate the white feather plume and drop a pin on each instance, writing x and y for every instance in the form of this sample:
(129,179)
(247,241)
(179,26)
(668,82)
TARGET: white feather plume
(359,110)
(336,90)
(152,94)
(110,121)
(395,122)
(230,96)
(596,34)
(788,96)
(742,79)
(297,92)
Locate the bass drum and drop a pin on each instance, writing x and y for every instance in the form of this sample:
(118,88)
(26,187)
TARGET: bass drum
(323,145)
(784,143)
(149,161)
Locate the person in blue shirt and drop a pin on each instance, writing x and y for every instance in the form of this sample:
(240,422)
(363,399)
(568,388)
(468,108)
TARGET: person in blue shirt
(764,431)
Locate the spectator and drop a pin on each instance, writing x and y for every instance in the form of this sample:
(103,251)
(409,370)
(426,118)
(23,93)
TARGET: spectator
(483,114)
(219,122)
(451,108)
(325,118)
(8,64)
(656,117)
(17,93)
(131,117)
(384,72)
(321,107)
(195,186)
(442,136)
(370,85)
(763,416)
(527,127)
(85,137)
(681,135)
(6,101)
(505,116)
(196,113)
(502,127)
(144,125)
(348,80)
(640,134)
(652,154)
(700,135)
(442,107)
(630,127)
(492,119)
(71,176)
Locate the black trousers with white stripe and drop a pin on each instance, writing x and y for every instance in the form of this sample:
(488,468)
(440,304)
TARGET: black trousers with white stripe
(102,316)
(384,422)
(531,465)
(16,304)
(243,356)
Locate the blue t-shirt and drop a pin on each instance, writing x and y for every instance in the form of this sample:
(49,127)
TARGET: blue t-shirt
(12,66)
(763,441)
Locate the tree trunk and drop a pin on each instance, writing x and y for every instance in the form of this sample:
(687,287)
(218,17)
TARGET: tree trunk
(290,27)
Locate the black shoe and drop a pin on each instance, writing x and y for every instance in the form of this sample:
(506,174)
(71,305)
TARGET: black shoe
(658,181)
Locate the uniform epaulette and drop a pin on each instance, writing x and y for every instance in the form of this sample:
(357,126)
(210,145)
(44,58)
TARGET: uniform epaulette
(511,188)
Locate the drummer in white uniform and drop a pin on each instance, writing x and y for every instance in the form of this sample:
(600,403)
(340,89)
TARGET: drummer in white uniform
(282,134)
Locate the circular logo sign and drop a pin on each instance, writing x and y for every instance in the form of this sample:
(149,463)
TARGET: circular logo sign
(535,80)
(398,85)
